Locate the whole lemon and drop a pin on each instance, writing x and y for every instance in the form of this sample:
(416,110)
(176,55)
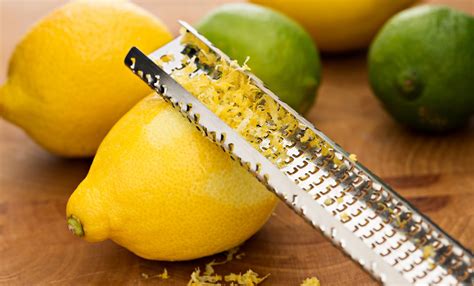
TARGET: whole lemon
(165,192)
(340,25)
(67,84)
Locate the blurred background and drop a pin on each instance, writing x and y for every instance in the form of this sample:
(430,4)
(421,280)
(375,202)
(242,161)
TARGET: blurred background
(18,15)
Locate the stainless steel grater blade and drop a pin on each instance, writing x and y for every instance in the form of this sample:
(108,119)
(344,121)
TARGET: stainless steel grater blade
(351,206)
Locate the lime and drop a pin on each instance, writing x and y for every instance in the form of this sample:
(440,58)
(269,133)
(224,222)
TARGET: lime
(421,66)
(281,53)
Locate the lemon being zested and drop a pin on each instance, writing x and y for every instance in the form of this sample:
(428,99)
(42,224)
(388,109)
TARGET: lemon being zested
(165,192)
(67,84)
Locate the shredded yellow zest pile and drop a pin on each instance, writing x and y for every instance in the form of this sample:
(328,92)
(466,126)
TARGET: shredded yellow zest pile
(209,277)
(313,281)
(204,280)
(249,278)
(230,94)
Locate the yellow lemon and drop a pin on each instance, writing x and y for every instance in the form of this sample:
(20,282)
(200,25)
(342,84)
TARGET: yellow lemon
(165,192)
(340,25)
(67,84)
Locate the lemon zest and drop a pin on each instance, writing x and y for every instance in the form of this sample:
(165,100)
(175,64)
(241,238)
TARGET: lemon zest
(167,58)
(228,92)
(345,217)
(203,280)
(428,251)
(353,157)
(249,278)
(231,253)
(210,277)
(311,281)
(163,275)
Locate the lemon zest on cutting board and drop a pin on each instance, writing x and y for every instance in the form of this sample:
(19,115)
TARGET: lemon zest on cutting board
(163,275)
(210,277)
(249,278)
(312,281)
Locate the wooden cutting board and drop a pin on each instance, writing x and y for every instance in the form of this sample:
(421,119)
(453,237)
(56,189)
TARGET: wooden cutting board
(436,173)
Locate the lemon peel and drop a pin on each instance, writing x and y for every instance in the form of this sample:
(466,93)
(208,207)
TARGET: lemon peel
(249,278)
(231,253)
(210,277)
(345,217)
(311,281)
(353,157)
(229,93)
(203,280)
(428,251)
(164,275)
(240,255)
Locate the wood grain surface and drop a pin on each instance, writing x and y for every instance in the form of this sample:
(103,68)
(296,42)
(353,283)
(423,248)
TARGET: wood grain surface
(436,173)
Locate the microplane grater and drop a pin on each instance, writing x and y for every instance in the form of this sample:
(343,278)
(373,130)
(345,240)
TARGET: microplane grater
(352,207)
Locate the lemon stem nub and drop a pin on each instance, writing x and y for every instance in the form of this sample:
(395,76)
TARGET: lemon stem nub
(75,226)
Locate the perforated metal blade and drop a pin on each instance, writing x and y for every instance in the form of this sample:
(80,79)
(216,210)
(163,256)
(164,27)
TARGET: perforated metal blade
(352,207)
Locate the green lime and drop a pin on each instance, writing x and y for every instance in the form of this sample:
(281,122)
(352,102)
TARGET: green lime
(421,67)
(280,51)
